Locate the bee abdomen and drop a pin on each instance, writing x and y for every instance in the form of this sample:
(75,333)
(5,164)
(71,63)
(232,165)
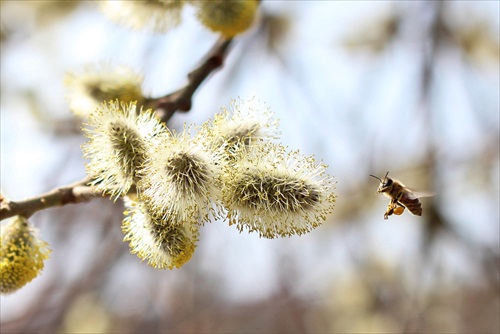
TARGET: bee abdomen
(413,205)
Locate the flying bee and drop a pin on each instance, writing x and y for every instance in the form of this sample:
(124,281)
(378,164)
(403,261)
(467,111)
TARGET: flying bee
(401,197)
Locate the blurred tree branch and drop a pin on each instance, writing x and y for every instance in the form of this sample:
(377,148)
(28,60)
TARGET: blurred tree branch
(181,100)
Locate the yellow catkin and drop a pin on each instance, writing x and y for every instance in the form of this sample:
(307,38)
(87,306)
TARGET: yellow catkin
(22,255)
(227,17)
(163,243)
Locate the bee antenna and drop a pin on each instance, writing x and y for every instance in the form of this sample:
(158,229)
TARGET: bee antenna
(385,177)
(376,177)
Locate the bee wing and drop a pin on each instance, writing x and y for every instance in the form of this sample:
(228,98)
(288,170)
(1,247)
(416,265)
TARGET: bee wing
(418,194)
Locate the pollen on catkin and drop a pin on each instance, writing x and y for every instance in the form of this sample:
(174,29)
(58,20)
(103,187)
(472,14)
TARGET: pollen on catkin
(243,126)
(181,178)
(163,242)
(97,83)
(277,193)
(22,254)
(229,18)
(120,137)
(153,15)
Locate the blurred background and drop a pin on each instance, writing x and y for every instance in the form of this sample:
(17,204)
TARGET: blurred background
(365,86)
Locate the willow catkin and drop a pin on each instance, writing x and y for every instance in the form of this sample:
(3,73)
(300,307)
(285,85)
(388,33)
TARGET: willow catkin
(120,138)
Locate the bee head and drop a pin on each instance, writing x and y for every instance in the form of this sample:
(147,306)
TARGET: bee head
(385,183)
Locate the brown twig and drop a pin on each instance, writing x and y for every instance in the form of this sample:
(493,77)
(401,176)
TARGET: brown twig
(181,100)
(74,193)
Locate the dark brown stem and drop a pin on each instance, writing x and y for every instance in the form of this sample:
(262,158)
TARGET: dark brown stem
(181,100)
(71,194)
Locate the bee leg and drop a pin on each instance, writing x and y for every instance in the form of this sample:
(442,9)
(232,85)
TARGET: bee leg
(388,213)
(394,207)
(390,209)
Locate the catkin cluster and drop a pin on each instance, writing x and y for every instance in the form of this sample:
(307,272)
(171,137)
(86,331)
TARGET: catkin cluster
(228,168)
(227,17)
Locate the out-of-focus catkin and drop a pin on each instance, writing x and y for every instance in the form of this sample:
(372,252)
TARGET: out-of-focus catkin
(154,15)
(22,254)
(98,83)
(228,18)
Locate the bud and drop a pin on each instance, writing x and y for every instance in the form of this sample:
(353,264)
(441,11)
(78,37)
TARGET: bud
(163,242)
(277,193)
(120,138)
(22,254)
(227,17)
(95,84)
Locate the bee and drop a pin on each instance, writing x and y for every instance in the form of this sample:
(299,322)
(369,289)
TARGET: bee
(401,197)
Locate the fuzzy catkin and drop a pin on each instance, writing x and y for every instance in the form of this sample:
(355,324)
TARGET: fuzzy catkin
(120,138)
(162,242)
(181,179)
(277,193)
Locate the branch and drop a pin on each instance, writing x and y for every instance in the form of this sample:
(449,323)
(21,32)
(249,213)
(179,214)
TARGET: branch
(181,100)
(71,194)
